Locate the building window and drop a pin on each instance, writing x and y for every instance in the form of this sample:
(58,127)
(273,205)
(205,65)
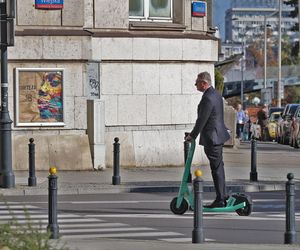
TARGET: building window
(151,10)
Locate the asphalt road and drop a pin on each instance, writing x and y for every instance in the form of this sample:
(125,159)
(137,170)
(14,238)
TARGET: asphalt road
(148,217)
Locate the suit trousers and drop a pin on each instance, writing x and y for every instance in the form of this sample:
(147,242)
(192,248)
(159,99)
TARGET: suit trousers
(214,154)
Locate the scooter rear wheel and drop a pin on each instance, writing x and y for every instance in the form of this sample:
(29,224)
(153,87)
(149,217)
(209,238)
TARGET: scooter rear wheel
(184,206)
(245,211)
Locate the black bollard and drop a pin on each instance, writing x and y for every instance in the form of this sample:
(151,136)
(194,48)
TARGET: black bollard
(197,235)
(31,153)
(253,173)
(52,204)
(116,179)
(290,233)
(186,147)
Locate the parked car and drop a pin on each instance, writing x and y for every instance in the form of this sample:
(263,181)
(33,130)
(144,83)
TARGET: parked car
(279,124)
(274,109)
(271,128)
(284,125)
(295,125)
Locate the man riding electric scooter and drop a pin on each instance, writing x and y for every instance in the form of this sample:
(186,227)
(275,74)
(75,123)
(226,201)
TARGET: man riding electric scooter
(213,134)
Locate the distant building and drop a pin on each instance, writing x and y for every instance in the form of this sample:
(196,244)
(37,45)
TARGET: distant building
(244,21)
(254,3)
(228,49)
(244,24)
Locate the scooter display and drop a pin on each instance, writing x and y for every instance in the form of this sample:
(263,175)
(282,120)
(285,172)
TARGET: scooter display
(239,203)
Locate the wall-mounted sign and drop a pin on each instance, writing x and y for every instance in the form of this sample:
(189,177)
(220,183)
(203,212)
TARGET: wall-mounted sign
(93,80)
(49,4)
(198,9)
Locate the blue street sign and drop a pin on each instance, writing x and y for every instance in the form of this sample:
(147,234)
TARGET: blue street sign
(49,4)
(198,9)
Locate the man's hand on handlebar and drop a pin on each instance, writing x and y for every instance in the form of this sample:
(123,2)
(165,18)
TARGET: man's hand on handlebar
(188,138)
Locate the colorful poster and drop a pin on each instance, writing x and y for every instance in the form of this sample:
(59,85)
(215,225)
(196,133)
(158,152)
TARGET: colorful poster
(39,97)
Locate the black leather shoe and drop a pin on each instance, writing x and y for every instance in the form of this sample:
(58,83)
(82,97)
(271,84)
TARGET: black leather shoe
(216,204)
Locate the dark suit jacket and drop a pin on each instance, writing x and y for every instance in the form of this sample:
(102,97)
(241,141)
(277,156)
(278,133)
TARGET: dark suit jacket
(210,120)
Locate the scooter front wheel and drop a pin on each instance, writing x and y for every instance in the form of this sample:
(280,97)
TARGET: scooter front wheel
(184,206)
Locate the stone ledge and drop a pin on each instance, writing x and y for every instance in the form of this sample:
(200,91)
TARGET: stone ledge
(66,152)
(188,127)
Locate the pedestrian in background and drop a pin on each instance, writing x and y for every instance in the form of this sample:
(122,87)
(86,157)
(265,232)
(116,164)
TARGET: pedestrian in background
(247,125)
(262,120)
(240,118)
(213,134)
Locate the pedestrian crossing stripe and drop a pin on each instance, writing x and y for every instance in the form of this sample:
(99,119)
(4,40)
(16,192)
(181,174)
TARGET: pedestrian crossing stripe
(62,218)
(104,230)
(91,224)
(22,212)
(115,228)
(177,240)
(189,215)
(65,221)
(36,216)
(5,207)
(181,240)
(124,235)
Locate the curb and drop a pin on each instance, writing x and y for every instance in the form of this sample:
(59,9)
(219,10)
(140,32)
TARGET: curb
(123,188)
(248,188)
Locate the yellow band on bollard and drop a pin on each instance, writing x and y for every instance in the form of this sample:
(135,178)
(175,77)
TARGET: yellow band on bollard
(52,170)
(198,173)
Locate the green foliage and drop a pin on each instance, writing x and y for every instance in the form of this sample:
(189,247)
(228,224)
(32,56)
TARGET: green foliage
(219,81)
(289,53)
(292,94)
(293,3)
(289,56)
(17,236)
(293,14)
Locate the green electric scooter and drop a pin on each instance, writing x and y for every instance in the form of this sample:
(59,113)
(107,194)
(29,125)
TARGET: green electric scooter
(239,203)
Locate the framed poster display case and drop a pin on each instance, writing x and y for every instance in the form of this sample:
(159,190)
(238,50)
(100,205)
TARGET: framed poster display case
(39,97)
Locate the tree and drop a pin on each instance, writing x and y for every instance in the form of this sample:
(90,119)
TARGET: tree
(292,94)
(295,28)
(293,13)
(255,51)
(219,81)
(289,53)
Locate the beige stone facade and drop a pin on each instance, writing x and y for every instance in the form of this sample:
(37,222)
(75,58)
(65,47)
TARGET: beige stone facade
(146,80)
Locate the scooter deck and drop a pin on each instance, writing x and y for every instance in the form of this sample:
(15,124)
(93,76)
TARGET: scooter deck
(225,209)
(230,206)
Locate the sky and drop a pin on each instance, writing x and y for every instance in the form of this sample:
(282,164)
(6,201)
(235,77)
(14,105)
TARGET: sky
(220,6)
